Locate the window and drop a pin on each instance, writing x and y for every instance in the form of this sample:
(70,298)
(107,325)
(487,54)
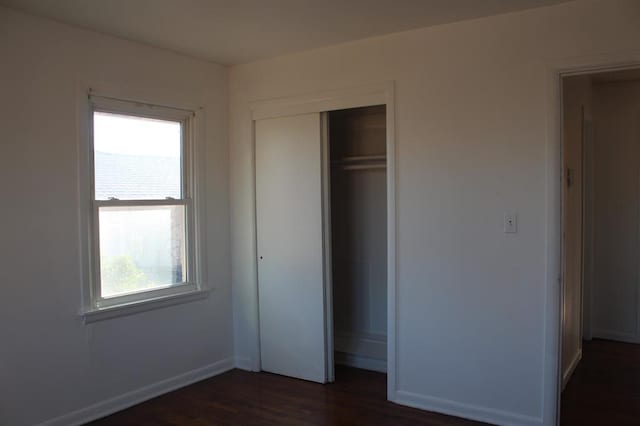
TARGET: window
(143,221)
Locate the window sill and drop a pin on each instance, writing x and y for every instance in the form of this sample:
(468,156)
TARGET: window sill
(100,314)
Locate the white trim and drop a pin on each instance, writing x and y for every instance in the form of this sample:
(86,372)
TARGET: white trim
(392,232)
(150,103)
(354,97)
(553,265)
(147,294)
(552,377)
(368,345)
(588,239)
(256,359)
(637,286)
(99,314)
(467,411)
(171,202)
(149,95)
(113,105)
(363,362)
(365,95)
(187,141)
(327,249)
(84,193)
(128,399)
(566,376)
(244,363)
(582,220)
(136,106)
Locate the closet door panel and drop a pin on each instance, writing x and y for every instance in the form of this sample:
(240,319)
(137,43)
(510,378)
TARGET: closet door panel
(290,246)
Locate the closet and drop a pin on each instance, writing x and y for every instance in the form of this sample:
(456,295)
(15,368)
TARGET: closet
(357,146)
(321,241)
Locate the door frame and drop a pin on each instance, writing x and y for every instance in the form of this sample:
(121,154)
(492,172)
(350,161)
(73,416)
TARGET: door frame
(327,259)
(554,301)
(565,191)
(322,102)
(586,328)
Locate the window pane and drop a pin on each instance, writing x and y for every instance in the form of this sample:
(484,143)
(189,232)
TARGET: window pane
(136,158)
(141,248)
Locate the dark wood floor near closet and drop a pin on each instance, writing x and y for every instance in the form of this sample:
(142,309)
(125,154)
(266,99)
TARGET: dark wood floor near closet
(242,398)
(605,388)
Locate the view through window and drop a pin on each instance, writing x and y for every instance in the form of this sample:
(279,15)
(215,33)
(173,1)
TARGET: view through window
(139,192)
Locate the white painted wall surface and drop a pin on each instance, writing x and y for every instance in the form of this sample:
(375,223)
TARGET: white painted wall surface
(616,287)
(472,111)
(51,364)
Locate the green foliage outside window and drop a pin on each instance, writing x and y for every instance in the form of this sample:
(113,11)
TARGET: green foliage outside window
(120,275)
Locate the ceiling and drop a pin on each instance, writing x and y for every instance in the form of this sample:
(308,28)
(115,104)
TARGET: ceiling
(237,31)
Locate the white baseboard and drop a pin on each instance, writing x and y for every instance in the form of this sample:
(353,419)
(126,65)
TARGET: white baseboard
(616,335)
(244,363)
(566,375)
(361,344)
(357,361)
(126,400)
(467,411)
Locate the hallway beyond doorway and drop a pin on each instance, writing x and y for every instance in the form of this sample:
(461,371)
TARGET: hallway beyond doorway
(605,387)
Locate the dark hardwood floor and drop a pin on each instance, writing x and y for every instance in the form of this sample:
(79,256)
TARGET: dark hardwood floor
(358,397)
(605,388)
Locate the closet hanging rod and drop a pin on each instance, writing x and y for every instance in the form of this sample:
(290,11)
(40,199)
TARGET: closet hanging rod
(360,166)
(359,159)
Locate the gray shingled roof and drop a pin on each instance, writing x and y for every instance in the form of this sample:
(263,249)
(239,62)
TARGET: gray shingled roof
(136,177)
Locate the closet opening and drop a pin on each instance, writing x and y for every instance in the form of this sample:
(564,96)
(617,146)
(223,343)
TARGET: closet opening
(356,145)
(325,239)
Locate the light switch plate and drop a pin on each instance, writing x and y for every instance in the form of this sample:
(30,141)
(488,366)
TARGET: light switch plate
(510,223)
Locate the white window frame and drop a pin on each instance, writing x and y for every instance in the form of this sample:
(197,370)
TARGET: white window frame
(97,307)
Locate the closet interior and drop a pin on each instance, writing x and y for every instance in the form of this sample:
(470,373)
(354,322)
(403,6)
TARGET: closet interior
(358,187)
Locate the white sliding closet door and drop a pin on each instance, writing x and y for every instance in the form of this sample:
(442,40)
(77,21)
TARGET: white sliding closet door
(290,246)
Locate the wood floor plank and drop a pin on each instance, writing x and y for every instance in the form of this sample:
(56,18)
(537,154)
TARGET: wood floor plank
(605,387)
(241,398)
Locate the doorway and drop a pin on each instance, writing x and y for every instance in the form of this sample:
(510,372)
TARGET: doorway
(600,311)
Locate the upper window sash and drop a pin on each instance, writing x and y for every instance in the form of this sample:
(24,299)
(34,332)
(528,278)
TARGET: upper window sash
(146,110)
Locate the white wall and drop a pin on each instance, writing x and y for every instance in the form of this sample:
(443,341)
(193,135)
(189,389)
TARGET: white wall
(472,110)
(576,102)
(51,364)
(616,285)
